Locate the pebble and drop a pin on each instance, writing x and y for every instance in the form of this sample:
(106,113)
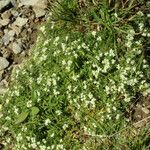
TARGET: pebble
(9,36)
(3,63)
(39,12)
(29,2)
(17,48)
(4,22)
(20,21)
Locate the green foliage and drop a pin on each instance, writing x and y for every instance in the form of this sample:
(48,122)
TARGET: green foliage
(22,117)
(86,69)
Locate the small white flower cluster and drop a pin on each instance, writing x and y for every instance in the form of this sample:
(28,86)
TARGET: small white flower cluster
(129,38)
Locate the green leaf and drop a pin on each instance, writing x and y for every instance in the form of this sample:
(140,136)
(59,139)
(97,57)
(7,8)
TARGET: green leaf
(22,117)
(34,111)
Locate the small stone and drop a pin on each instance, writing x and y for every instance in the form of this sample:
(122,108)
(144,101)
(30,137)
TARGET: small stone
(4,22)
(145,110)
(3,63)
(9,36)
(16,29)
(39,6)
(6,15)
(11,33)
(39,12)
(17,48)
(6,39)
(20,21)
(29,2)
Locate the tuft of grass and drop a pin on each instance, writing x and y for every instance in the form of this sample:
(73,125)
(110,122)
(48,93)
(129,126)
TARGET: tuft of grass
(88,66)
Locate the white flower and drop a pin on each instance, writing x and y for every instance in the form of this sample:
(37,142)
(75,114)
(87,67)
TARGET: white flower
(111,53)
(108,110)
(33,145)
(65,126)
(94,33)
(114,108)
(52,135)
(115,14)
(47,121)
(69,62)
(29,104)
(16,110)
(63,46)
(58,112)
(99,38)
(117,116)
(54,82)
(53,146)
(42,147)
(67,38)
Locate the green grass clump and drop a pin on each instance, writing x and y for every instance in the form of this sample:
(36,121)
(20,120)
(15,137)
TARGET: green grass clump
(86,69)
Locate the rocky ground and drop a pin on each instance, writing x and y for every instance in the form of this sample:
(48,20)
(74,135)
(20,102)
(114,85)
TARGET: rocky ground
(19,21)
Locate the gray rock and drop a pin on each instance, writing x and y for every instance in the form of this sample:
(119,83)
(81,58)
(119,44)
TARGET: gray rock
(6,39)
(3,4)
(29,2)
(39,12)
(11,33)
(17,48)
(4,22)
(20,21)
(6,15)
(9,36)
(38,6)
(3,63)
(16,29)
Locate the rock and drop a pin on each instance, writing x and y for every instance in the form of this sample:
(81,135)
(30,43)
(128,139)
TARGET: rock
(6,15)
(11,33)
(4,22)
(17,48)
(9,36)
(15,13)
(39,6)
(4,4)
(29,2)
(3,63)
(39,12)
(6,53)
(16,29)
(20,21)
(6,39)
